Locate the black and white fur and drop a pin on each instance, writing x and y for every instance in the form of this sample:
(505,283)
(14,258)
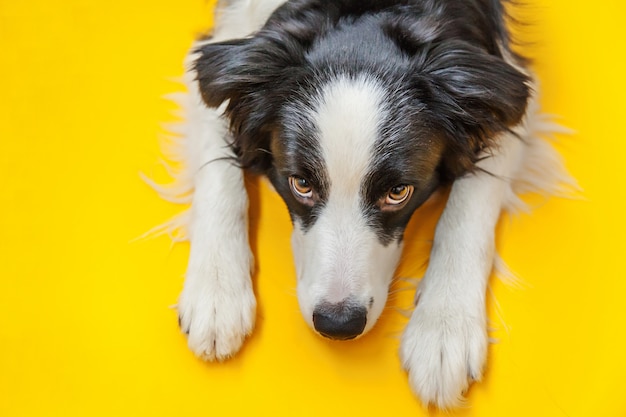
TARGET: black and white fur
(347,106)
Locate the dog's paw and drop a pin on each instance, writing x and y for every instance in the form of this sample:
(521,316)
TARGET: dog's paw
(443,353)
(216,312)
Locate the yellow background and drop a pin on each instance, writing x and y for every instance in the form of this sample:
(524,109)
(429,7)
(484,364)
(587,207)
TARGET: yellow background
(85,323)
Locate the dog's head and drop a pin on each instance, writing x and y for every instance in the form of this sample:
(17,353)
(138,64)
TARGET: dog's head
(356,119)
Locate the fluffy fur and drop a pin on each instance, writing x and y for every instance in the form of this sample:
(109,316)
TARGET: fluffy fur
(357,111)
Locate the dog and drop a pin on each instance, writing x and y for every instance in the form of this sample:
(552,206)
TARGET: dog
(357,111)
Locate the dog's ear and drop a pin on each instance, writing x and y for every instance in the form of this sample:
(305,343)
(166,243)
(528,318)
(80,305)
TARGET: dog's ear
(473,96)
(479,89)
(252,75)
(229,70)
(221,70)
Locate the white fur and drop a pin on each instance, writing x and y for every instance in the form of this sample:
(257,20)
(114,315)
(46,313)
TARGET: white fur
(217,307)
(340,257)
(444,344)
(239,18)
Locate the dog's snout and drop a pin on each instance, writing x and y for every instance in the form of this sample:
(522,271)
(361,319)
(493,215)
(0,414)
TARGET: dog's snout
(339,321)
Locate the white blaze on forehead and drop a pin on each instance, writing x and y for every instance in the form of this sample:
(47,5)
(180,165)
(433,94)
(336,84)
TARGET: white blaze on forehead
(340,257)
(347,116)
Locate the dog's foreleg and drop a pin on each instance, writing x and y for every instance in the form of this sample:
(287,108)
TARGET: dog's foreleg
(444,345)
(217,306)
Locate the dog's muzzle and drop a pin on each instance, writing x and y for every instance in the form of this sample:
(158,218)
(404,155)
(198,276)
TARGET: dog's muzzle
(341,321)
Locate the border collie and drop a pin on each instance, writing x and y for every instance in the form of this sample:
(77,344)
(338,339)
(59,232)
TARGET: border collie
(357,111)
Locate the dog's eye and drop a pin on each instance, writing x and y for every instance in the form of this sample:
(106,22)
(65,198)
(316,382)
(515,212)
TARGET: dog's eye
(301,187)
(398,195)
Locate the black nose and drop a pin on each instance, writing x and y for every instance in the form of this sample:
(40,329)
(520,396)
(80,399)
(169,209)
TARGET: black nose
(339,321)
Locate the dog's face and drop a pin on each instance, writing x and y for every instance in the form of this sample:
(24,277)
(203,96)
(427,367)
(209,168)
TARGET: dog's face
(350,190)
(356,126)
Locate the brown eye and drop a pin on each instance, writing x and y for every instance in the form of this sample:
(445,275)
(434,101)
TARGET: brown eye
(300,187)
(398,195)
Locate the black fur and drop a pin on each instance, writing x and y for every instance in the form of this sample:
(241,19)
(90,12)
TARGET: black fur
(450,90)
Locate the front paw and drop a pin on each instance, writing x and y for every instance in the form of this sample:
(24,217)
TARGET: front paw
(443,352)
(216,311)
